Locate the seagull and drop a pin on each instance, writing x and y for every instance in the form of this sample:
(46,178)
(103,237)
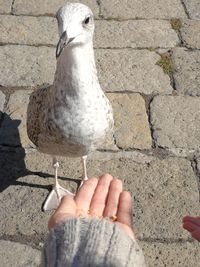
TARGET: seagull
(72,117)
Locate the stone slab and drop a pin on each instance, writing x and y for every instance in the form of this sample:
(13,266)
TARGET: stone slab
(26,66)
(2,101)
(131,70)
(45,7)
(159,254)
(131,121)
(28,30)
(16,254)
(119,70)
(23,202)
(183,153)
(163,9)
(187,71)
(193,8)
(198,165)
(163,192)
(13,128)
(134,155)
(176,121)
(135,33)
(139,33)
(190,33)
(5,6)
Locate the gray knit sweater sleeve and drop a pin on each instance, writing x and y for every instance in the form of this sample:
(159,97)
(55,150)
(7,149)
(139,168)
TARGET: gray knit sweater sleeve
(90,243)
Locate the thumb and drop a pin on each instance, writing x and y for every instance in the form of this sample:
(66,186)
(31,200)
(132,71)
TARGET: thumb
(66,210)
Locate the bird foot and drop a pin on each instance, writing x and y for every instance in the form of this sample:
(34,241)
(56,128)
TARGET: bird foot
(82,182)
(55,196)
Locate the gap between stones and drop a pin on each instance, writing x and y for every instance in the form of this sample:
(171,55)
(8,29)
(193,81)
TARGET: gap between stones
(196,172)
(148,100)
(99,5)
(12,7)
(185,9)
(150,49)
(96,18)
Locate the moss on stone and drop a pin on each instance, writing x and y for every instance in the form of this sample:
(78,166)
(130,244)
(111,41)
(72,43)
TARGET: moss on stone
(165,63)
(176,24)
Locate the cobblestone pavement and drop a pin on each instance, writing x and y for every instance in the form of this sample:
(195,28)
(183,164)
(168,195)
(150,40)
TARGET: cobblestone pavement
(148,57)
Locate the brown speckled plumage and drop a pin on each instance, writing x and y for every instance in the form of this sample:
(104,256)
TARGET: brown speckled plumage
(73,116)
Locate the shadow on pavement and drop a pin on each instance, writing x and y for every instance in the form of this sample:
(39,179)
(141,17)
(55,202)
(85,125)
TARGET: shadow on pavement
(12,155)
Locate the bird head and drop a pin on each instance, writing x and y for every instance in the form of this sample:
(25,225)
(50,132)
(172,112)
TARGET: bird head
(75,26)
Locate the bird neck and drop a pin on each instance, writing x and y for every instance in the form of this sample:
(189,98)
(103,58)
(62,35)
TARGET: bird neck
(76,69)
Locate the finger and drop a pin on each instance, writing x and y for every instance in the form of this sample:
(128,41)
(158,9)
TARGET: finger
(112,202)
(84,195)
(195,220)
(66,209)
(124,213)
(187,218)
(190,226)
(100,195)
(196,235)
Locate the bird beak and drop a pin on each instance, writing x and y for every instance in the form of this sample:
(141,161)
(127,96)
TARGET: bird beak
(63,41)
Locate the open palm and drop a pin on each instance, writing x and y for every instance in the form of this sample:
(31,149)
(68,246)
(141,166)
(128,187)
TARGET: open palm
(103,198)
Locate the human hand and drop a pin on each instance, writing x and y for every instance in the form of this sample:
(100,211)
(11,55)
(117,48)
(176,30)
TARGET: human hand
(192,224)
(103,198)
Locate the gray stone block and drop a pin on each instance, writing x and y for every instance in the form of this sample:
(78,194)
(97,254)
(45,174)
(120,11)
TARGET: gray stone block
(158,254)
(193,8)
(198,165)
(190,33)
(26,65)
(187,71)
(131,70)
(2,101)
(15,254)
(176,121)
(134,33)
(5,6)
(142,9)
(131,121)
(28,30)
(46,7)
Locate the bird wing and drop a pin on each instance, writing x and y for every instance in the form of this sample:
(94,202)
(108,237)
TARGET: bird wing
(35,111)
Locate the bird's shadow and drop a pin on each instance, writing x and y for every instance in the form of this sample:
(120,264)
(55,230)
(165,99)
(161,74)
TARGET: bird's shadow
(12,155)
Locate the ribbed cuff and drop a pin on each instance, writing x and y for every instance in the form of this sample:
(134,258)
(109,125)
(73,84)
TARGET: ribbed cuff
(86,242)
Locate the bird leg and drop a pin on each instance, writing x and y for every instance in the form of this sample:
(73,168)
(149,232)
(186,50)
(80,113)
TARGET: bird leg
(56,185)
(84,175)
(54,198)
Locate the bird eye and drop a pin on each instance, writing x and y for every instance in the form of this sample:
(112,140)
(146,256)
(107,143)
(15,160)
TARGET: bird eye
(87,20)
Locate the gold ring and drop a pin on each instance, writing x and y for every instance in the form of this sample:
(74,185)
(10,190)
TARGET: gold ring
(113,218)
